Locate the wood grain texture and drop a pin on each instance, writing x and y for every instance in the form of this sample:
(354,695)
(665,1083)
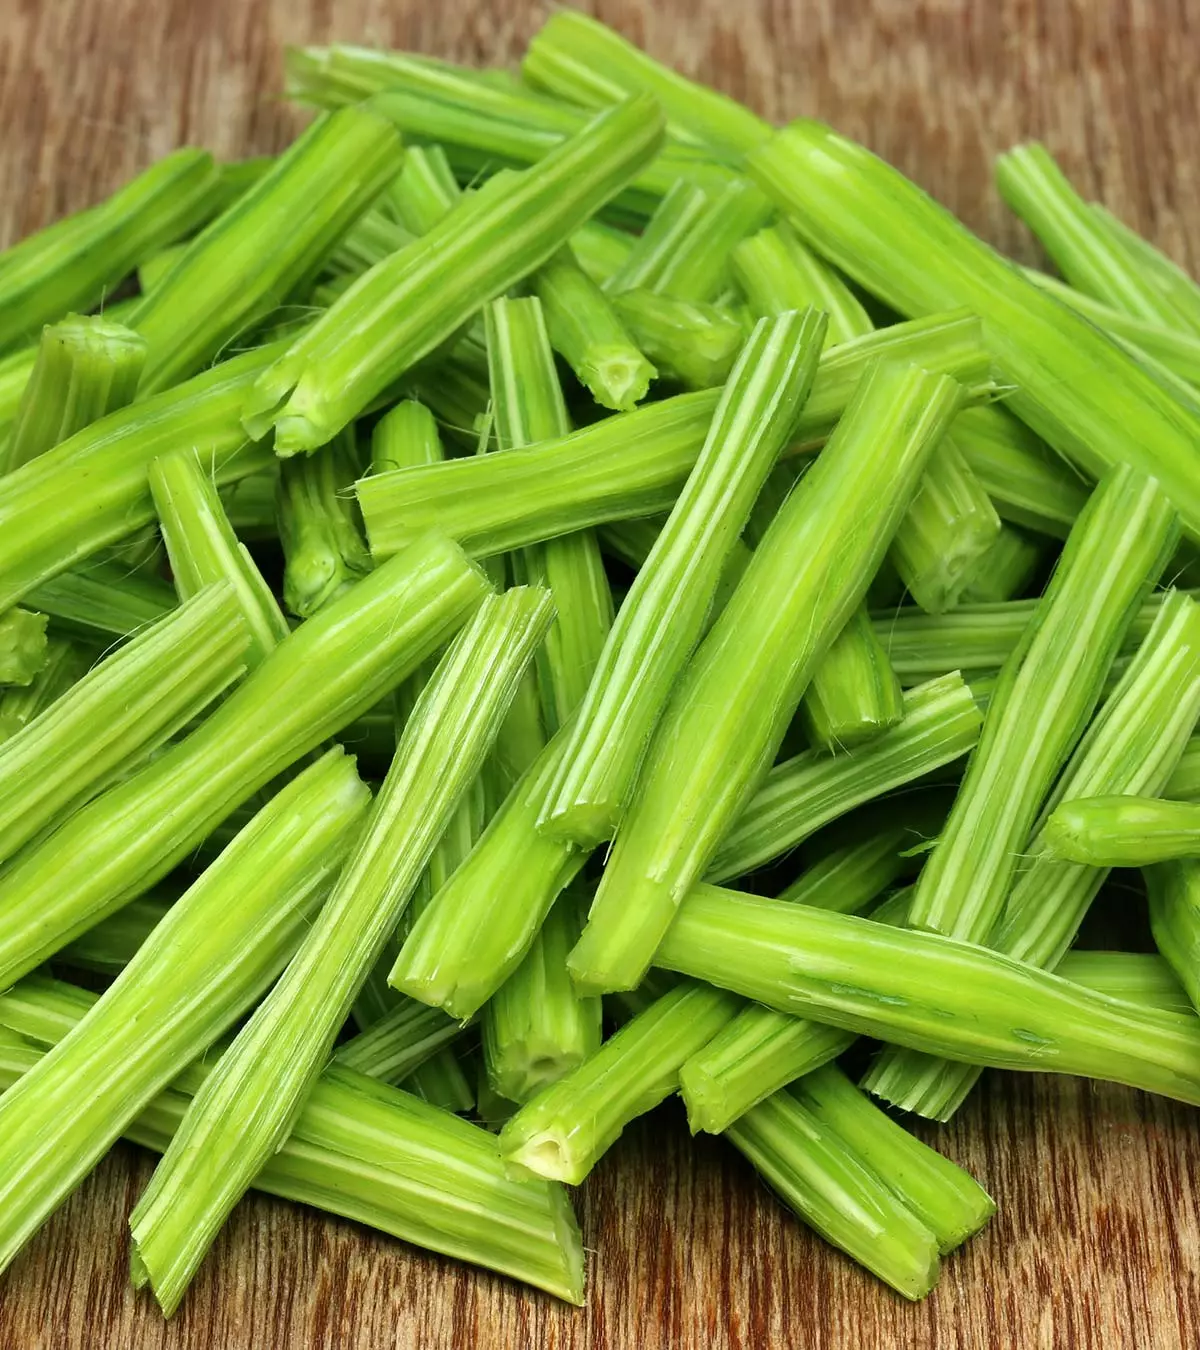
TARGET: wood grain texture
(1097,1243)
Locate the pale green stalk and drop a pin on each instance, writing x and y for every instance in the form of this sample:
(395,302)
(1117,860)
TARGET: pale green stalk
(406,306)
(425,190)
(667,608)
(369,1153)
(1122,831)
(1133,977)
(1083,394)
(930,992)
(85,368)
(330,670)
(1006,571)
(1082,249)
(93,489)
(101,600)
(405,436)
(598,248)
(730,710)
(1046,694)
(71,264)
(23,646)
(129,704)
(441,1081)
(268,245)
(563,1131)
(583,61)
(203,549)
(691,343)
(854,695)
(324,553)
(665,231)
(536,1028)
(528,407)
(1157,270)
(633,464)
(214,953)
(697,269)
(588,334)
(403,1039)
(110,946)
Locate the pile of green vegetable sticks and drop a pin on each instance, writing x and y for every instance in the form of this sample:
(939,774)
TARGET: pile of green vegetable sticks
(438,561)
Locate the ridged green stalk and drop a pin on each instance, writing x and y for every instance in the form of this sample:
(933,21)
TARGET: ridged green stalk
(481,924)
(1167,277)
(425,191)
(1133,977)
(110,946)
(1174,889)
(1005,571)
(129,704)
(23,646)
(442,1081)
(536,1028)
(528,407)
(324,553)
(697,268)
(204,550)
(634,464)
(665,231)
(1184,782)
(72,263)
(93,490)
(250,504)
(268,244)
(1046,694)
(588,334)
(329,671)
(85,368)
(400,1042)
(1122,831)
(65,664)
(1083,394)
(1082,249)
(213,955)
(941,723)
(405,436)
(854,695)
(691,343)
(249,1103)
(599,249)
(933,993)
(373,1155)
(564,1130)
(101,600)
(581,60)
(402,309)
(664,614)
(729,712)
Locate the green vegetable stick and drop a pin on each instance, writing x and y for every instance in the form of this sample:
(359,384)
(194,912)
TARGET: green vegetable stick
(249,1103)
(536,1028)
(1133,977)
(664,615)
(1006,571)
(110,946)
(528,407)
(1130,747)
(1174,889)
(72,263)
(691,343)
(372,1154)
(1123,831)
(93,490)
(396,1045)
(829,1185)
(1038,191)
(405,436)
(698,268)
(583,61)
(777,272)
(1184,782)
(425,190)
(729,712)
(330,670)
(634,464)
(100,600)
(85,368)
(481,124)
(134,701)
(942,723)
(441,1081)
(563,1131)
(854,695)
(1089,400)
(214,953)
(1047,692)
(402,309)
(588,334)
(1171,281)
(203,549)
(266,246)
(151,272)
(324,553)
(250,505)
(64,666)
(23,646)
(930,992)
(480,925)
(665,231)
(1029,485)
(949,1201)
(599,249)
(372,237)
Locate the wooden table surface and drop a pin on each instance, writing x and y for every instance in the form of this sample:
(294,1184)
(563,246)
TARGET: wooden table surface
(1097,1242)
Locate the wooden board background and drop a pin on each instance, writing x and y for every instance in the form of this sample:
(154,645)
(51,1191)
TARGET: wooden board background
(1097,1243)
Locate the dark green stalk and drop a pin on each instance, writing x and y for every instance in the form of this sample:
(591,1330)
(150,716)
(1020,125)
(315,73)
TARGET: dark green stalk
(854,695)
